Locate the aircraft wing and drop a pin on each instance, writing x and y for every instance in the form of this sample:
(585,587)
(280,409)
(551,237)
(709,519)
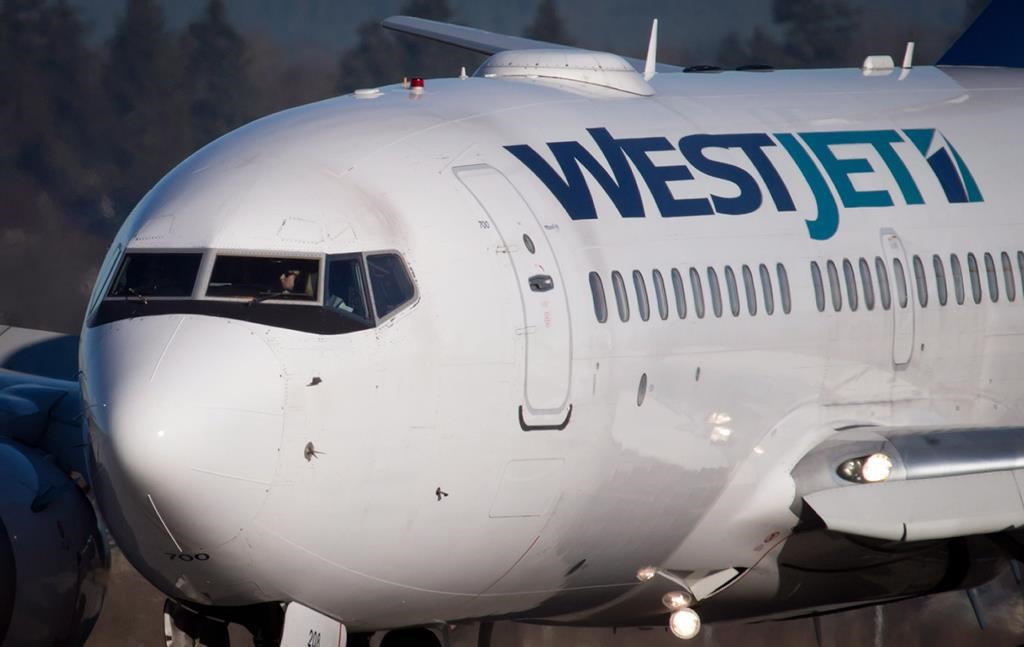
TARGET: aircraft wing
(484,42)
(933,483)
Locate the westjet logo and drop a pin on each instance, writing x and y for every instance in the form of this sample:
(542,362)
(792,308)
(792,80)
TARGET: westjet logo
(810,152)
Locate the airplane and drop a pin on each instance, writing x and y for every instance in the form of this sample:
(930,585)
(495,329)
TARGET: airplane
(577,340)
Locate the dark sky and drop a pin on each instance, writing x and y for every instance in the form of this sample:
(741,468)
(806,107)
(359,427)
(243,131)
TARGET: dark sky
(327,26)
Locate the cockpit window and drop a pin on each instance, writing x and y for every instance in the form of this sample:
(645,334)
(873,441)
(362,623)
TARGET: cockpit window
(346,289)
(156,275)
(392,286)
(262,278)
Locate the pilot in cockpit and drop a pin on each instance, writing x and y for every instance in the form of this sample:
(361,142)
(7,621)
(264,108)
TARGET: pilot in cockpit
(287,280)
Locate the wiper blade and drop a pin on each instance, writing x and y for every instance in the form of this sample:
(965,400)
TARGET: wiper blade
(132,292)
(264,297)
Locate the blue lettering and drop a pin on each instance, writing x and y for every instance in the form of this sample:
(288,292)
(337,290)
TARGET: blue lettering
(827,222)
(751,144)
(658,177)
(572,191)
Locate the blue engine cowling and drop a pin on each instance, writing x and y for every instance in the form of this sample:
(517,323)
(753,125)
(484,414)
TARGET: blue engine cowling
(54,560)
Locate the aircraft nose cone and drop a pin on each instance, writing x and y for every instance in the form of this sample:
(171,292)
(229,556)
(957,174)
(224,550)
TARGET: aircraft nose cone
(186,416)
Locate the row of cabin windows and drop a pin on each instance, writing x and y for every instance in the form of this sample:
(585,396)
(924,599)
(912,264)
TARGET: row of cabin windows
(848,277)
(694,284)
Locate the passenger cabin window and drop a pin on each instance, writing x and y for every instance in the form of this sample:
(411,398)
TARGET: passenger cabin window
(659,294)
(261,278)
(766,289)
(940,279)
(958,278)
(716,291)
(621,298)
(833,282)
(787,304)
(921,281)
(698,293)
(1020,270)
(145,274)
(597,292)
(391,283)
(993,279)
(1008,279)
(642,302)
(884,293)
(679,292)
(751,291)
(865,281)
(819,288)
(972,269)
(901,282)
(734,295)
(851,284)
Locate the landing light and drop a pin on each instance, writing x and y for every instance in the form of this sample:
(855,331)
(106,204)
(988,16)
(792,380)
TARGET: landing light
(684,624)
(876,468)
(676,600)
(867,469)
(646,573)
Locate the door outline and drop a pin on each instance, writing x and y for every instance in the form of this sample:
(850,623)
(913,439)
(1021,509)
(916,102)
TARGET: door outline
(512,218)
(902,317)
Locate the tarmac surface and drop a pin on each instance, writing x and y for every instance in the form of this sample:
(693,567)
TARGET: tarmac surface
(133,617)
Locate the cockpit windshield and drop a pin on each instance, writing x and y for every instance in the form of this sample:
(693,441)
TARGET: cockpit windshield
(346,290)
(144,274)
(262,278)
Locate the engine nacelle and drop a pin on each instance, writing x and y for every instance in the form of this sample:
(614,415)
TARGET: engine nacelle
(53,559)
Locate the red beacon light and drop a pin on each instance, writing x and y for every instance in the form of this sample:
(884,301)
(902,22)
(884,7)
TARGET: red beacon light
(416,84)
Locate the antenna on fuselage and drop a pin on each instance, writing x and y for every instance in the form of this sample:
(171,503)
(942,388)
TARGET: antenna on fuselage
(652,52)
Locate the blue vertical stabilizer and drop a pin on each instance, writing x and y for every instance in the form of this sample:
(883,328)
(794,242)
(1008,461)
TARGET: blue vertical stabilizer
(994,39)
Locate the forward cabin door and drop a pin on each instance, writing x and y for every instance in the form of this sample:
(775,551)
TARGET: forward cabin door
(546,327)
(902,297)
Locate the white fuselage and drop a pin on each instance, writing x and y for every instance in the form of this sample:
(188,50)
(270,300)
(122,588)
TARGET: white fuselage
(444,481)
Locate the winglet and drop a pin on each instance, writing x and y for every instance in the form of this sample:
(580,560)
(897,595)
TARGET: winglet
(652,51)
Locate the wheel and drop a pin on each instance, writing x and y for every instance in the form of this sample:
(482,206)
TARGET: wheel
(416,637)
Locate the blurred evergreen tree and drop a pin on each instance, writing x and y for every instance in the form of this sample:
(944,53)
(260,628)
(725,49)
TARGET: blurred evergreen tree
(818,33)
(548,25)
(150,129)
(220,93)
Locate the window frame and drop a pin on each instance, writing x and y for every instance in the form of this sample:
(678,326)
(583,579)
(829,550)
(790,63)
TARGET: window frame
(660,295)
(410,302)
(819,286)
(198,284)
(1009,279)
(699,305)
(920,281)
(956,270)
(679,292)
(210,262)
(643,298)
(941,286)
(768,294)
(621,296)
(597,290)
(866,281)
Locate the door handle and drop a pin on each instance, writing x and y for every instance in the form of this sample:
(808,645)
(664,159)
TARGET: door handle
(541,283)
